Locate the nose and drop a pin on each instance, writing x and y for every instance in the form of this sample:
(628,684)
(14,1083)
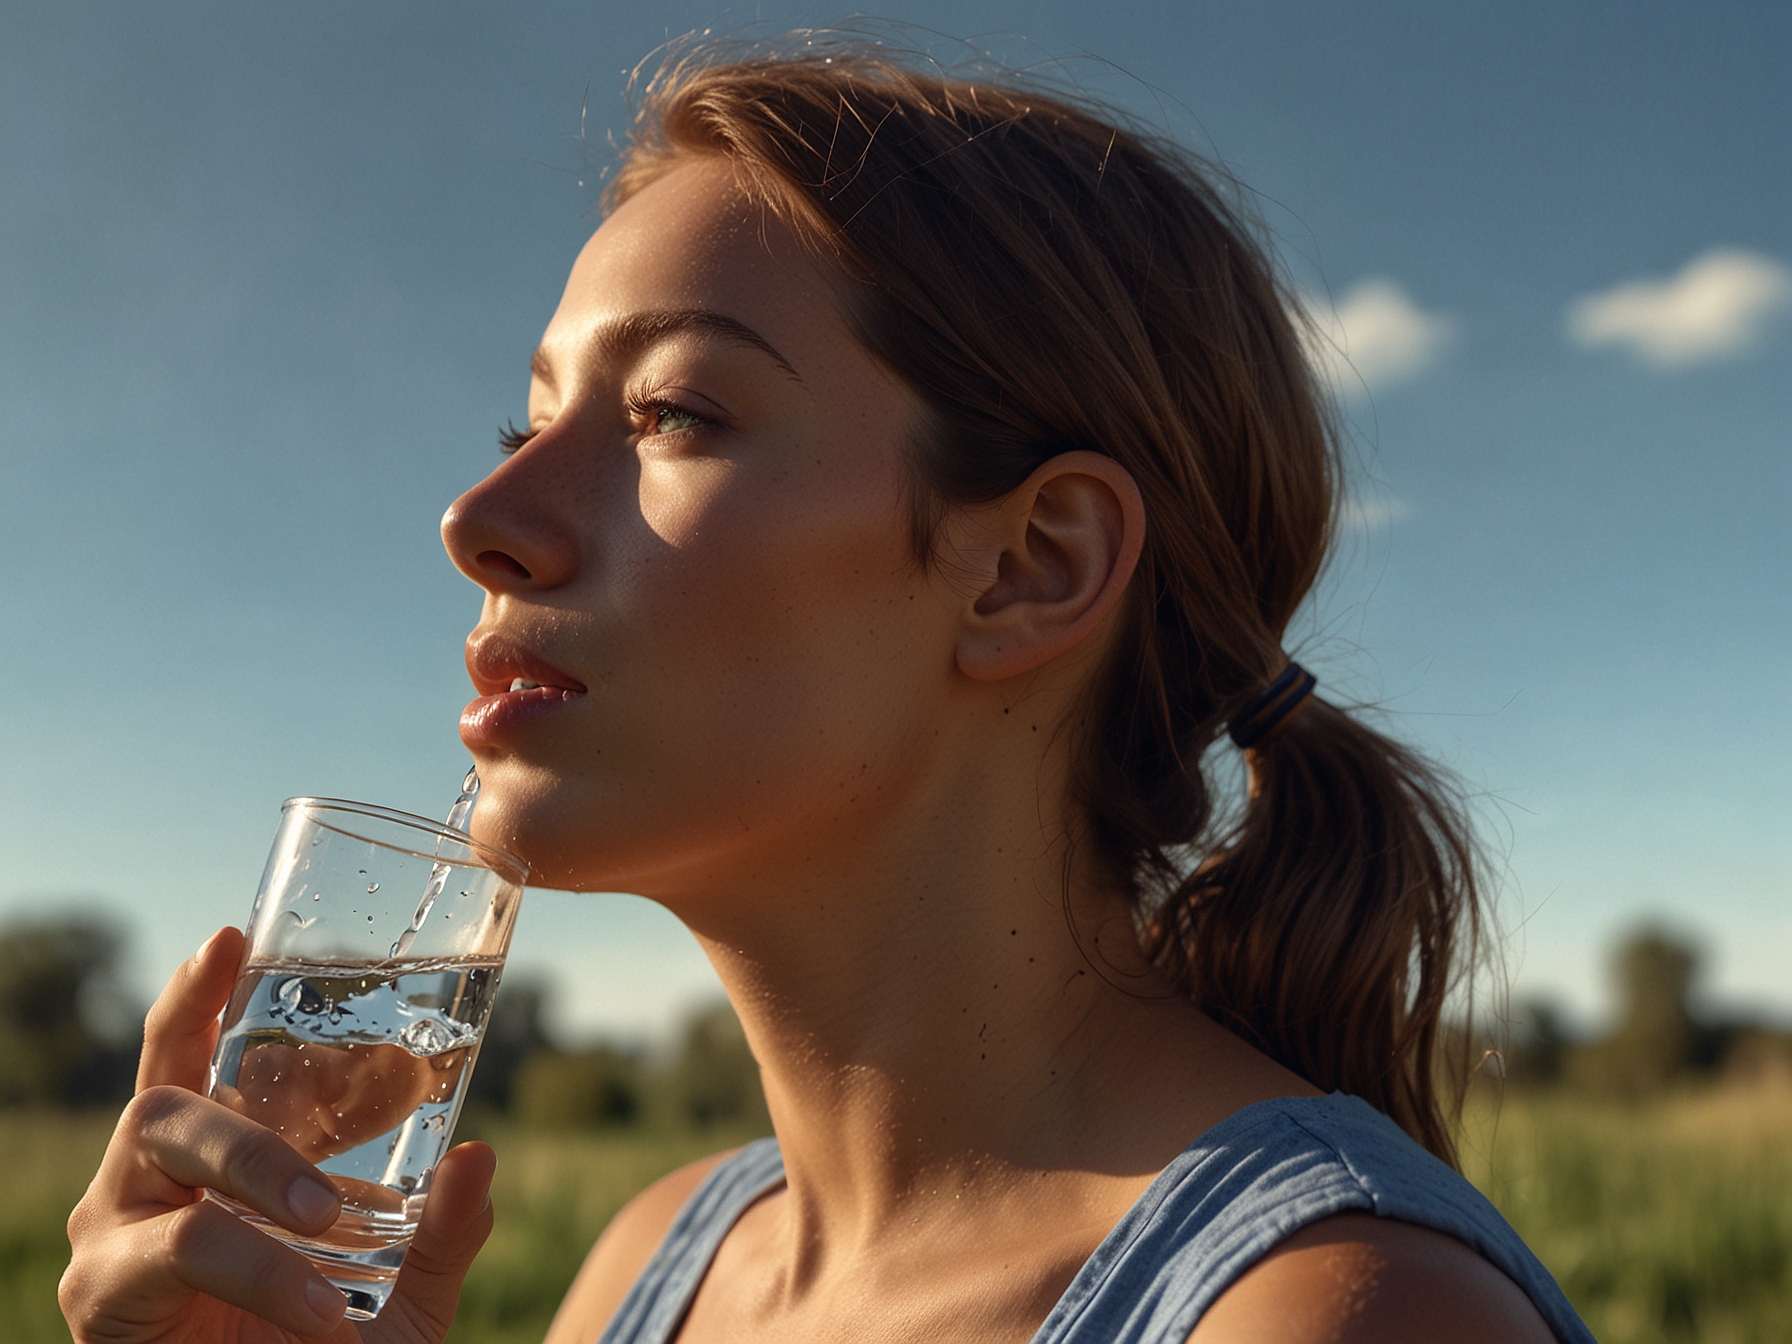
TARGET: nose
(506,535)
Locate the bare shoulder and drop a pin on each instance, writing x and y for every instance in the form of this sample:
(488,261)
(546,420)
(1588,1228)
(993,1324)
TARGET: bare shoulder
(1354,1278)
(620,1253)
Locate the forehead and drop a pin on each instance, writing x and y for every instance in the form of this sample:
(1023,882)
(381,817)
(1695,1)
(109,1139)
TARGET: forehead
(693,239)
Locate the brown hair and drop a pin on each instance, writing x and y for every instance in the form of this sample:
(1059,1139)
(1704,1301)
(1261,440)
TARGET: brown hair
(1044,278)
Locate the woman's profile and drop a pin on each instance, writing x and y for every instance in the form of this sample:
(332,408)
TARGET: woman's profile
(919,479)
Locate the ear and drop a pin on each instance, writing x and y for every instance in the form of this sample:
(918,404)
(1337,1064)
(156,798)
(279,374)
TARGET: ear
(1063,547)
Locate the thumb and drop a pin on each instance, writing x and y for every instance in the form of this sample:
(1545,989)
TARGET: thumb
(457,1218)
(181,1030)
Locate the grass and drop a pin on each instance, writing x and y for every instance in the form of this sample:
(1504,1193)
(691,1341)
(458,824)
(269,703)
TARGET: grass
(1667,1221)
(1664,1221)
(49,1160)
(554,1192)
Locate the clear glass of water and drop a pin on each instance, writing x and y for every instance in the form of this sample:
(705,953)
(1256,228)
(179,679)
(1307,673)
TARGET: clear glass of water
(373,956)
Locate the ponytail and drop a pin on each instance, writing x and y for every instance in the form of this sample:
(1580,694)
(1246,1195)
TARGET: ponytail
(1044,278)
(1326,928)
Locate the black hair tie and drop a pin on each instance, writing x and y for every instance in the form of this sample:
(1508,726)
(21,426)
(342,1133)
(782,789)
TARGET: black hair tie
(1272,707)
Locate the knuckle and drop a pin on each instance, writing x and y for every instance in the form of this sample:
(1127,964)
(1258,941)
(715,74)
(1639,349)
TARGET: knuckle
(72,1290)
(84,1290)
(80,1219)
(186,1234)
(152,1108)
(255,1162)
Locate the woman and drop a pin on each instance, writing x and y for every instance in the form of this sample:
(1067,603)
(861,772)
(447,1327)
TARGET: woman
(919,479)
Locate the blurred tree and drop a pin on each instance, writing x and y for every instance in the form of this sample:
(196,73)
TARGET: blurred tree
(600,1087)
(68,1033)
(1657,1039)
(714,1079)
(515,1032)
(1538,1044)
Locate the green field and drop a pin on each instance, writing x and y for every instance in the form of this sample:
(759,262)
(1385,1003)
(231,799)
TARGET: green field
(1666,1221)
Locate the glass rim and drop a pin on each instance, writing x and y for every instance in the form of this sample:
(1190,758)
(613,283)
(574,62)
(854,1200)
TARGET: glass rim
(495,859)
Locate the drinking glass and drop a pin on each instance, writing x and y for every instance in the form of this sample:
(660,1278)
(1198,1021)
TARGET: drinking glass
(373,955)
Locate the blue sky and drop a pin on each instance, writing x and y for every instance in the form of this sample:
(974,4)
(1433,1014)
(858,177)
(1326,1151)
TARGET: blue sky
(270,275)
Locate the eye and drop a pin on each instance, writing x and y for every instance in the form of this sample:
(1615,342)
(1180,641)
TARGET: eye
(510,438)
(658,415)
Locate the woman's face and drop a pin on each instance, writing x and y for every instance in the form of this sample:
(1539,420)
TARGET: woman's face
(700,559)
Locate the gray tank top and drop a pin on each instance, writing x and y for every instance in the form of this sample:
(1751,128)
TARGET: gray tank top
(1252,1180)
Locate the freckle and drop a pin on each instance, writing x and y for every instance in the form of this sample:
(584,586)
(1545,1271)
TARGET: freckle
(1004,711)
(1013,933)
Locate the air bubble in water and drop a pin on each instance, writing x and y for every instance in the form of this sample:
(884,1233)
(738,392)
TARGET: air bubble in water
(372,887)
(426,1037)
(295,996)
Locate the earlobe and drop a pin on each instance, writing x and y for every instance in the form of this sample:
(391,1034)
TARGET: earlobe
(1069,538)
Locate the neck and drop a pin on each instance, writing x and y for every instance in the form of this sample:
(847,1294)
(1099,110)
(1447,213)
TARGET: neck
(961,1003)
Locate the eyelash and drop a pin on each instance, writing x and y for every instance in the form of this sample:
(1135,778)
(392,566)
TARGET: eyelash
(510,438)
(650,408)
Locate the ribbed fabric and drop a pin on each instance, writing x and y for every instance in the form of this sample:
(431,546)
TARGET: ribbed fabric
(1226,1200)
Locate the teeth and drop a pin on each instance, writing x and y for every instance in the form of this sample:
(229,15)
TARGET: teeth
(524,684)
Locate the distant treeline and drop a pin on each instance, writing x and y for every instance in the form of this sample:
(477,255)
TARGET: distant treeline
(1660,1039)
(70,1037)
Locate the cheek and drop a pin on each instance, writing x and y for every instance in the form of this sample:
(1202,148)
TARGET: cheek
(774,663)
(778,602)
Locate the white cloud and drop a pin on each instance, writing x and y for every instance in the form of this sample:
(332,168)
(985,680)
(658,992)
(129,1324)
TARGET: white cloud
(1375,336)
(1723,302)
(1368,513)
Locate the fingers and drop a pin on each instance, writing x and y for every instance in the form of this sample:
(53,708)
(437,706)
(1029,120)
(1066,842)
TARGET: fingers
(182,1028)
(170,1142)
(151,1270)
(456,1221)
(210,1249)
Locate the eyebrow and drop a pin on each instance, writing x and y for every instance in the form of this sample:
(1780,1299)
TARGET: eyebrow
(638,331)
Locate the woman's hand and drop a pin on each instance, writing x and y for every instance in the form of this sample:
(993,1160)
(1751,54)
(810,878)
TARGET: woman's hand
(154,1260)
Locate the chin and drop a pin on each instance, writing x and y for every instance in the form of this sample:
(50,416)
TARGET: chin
(525,810)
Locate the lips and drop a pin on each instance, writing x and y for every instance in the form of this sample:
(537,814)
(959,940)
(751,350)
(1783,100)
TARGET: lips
(517,687)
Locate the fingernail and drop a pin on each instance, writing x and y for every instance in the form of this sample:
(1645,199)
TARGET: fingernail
(311,1201)
(326,1302)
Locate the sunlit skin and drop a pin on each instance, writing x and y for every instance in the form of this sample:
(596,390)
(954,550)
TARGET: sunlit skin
(849,774)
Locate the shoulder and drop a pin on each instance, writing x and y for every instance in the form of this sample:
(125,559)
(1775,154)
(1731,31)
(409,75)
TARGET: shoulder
(619,1255)
(1354,1278)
